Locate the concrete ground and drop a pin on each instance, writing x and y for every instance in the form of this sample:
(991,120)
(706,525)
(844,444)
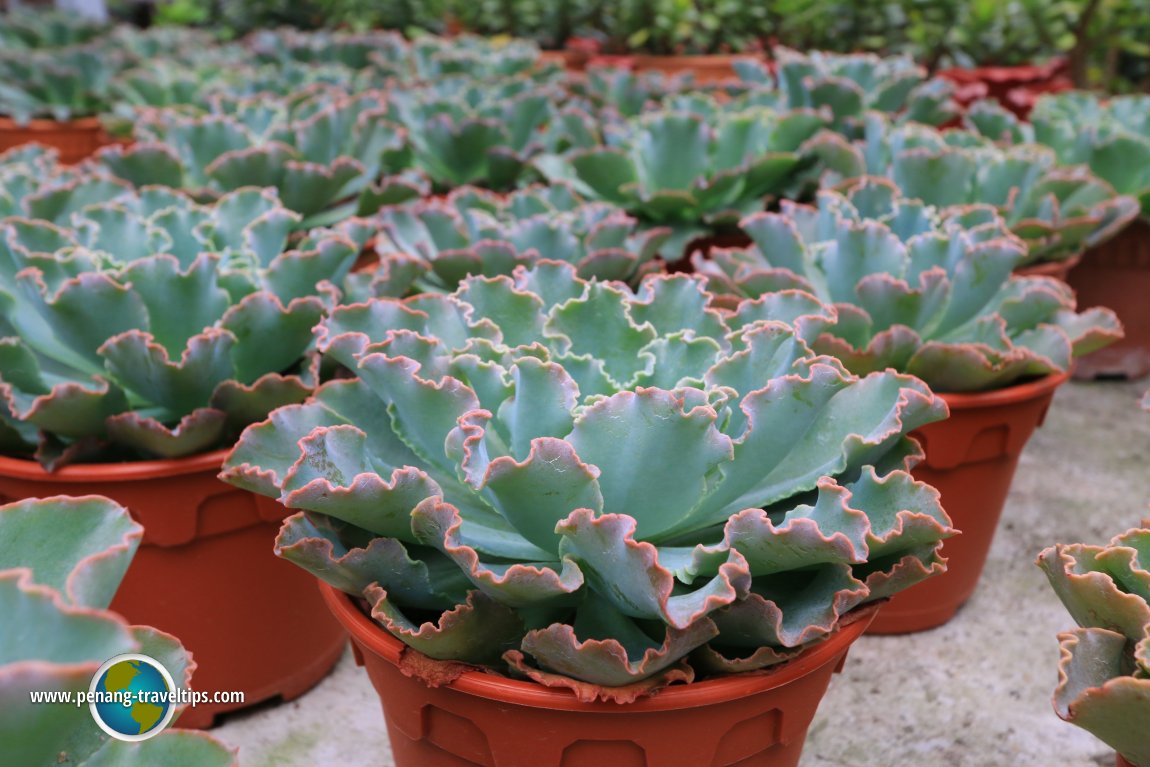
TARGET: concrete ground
(973,693)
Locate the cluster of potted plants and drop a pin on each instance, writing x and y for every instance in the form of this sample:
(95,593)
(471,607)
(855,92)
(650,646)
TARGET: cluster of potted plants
(594,397)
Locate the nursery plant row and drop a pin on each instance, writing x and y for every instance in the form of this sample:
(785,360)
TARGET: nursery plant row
(585,395)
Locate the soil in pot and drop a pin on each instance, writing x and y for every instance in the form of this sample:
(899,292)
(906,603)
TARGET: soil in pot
(492,721)
(206,572)
(970,459)
(75,140)
(1117,274)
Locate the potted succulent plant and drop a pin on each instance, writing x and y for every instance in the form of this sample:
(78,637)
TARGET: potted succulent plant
(929,293)
(1104,672)
(695,173)
(53,97)
(136,345)
(61,560)
(34,30)
(1059,212)
(1112,138)
(474,231)
(329,154)
(850,85)
(588,489)
(480,132)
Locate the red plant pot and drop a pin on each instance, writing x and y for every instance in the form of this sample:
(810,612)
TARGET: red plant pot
(489,720)
(75,140)
(1122,762)
(206,571)
(1117,274)
(709,68)
(970,459)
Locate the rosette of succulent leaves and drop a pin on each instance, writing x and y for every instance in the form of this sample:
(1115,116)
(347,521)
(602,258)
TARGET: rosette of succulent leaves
(38,29)
(467,131)
(138,326)
(61,561)
(1059,212)
(28,170)
(1109,135)
(330,155)
(613,92)
(596,488)
(62,85)
(925,291)
(439,241)
(287,46)
(697,170)
(432,58)
(849,85)
(1104,672)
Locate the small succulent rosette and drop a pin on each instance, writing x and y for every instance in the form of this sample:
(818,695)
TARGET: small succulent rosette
(474,231)
(597,488)
(926,291)
(697,172)
(140,327)
(850,85)
(1058,211)
(1104,672)
(61,561)
(329,155)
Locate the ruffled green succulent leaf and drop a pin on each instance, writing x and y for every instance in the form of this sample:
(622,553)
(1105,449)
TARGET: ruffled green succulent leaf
(478,630)
(519,585)
(180,304)
(423,412)
(91,543)
(801,428)
(334,475)
(609,653)
(145,163)
(1090,330)
(245,404)
(267,450)
(45,628)
(71,409)
(665,430)
(196,432)
(1091,594)
(627,572)
(518,314)
(350,559)
(938,178)
(313,190)
(261,316)
(195,749)
(58,202)
(145,368)
(79,318)
(598,323)
(792,609)
(1096,692)
(831,531)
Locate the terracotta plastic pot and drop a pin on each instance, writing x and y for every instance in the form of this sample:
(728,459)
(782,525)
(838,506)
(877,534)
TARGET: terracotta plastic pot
(1117,274)
(970,459)
(1057,269)
(206,572)
(705,68)
(491,721)
(1122,762)
(75,140)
